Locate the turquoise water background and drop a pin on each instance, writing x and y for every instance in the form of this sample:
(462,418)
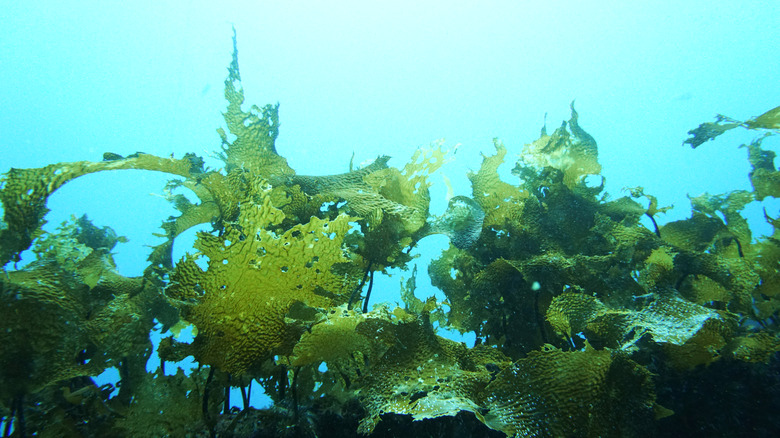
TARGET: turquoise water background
(81,78)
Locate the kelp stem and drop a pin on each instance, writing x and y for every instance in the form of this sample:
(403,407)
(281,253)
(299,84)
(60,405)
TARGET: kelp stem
(368,292)
(206,416)
(244,395)
(655,225)
(359,287)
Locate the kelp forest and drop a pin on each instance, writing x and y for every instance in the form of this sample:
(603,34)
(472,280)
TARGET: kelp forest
(591,320)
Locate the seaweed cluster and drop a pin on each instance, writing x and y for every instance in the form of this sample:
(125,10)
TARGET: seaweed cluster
(587,322)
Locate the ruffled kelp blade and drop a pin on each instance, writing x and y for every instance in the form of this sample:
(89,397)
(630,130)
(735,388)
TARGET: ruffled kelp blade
(461,222)
(710,130)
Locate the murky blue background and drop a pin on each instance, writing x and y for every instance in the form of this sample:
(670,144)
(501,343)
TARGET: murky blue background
(81,78)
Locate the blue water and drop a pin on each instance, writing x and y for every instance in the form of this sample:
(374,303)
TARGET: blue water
(81,78)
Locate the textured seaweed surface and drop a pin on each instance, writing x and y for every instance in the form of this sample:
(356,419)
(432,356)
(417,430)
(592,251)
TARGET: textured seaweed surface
(587,322)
